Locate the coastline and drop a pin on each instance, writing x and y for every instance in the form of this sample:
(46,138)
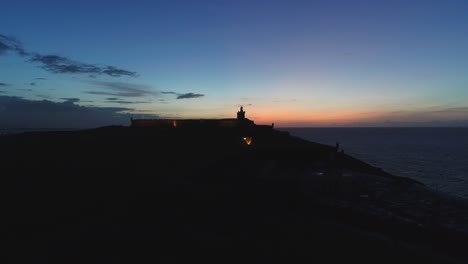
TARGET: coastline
(434,156)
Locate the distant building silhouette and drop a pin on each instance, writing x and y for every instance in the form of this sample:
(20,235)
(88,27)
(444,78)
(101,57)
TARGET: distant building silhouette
(241,114)
(240,121)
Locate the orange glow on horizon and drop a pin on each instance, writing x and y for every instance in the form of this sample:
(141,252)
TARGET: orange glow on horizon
(302,118)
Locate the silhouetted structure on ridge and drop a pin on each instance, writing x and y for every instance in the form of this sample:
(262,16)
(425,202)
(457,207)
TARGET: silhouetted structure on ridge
(240,121)
(241,114)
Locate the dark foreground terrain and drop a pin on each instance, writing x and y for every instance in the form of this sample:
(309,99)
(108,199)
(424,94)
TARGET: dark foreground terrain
(129,195)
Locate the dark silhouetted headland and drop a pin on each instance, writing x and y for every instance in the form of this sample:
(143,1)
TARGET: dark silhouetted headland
(225,191)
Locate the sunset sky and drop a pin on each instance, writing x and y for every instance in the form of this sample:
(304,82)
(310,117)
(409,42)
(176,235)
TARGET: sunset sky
(294,63)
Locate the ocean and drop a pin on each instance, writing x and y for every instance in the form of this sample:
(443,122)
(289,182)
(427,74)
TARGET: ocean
(437,157)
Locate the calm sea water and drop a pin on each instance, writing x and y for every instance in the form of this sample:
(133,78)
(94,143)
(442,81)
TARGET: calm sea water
(438,157)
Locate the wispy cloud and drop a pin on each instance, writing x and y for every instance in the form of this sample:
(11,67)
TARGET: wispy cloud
(453,110)
(60,64)
(189,96)
(124,102)
(431,116)
(183,95)
(4,84)
(123,89)
(131,102)
(103,93)
(120,101)
(8,44)
(116,72)
(63,65)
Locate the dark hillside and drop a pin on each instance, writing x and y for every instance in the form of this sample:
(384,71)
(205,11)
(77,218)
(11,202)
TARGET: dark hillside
(121,194)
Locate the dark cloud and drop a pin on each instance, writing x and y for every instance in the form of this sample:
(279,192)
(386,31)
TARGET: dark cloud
(4,84)
(189,96)
(26,90)
(123,89)
(112,99)
(40,79)
(33,84)
(3,47)
(60,64)
(183,96)
(116,72)
(16,112)
(2,91)
(19,104)
(11,44)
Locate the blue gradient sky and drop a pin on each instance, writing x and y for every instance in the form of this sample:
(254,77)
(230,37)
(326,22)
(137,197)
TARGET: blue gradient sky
(294,63)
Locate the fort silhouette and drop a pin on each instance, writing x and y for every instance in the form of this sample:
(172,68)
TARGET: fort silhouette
(239,122)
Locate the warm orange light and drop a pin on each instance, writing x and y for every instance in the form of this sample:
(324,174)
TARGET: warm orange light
(248,140)
(174,123)
(298,118)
